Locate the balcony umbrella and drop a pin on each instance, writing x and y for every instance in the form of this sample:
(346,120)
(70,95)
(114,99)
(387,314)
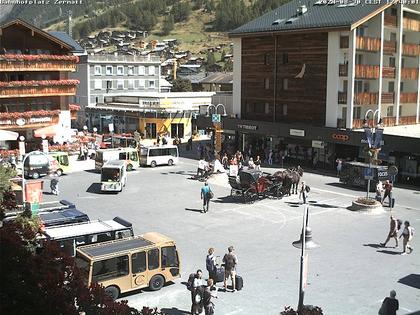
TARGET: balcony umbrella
(49,131)
(6,135)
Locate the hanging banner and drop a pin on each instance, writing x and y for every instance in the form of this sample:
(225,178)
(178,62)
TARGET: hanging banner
(378,138)
(368,134)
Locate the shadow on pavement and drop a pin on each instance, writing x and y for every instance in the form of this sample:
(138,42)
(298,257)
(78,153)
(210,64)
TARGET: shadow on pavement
(193,210)
(94,188)
(412,280)
(323,205)
(373,245)
(229,199)
(92,171)
(295,204)
(389,252)
(185,173)
(341,185)
(173,311)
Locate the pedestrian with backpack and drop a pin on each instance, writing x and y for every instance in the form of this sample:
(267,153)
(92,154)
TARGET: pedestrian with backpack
(206,195)
(304,190)
(394,227)
(211,264)
(230,261)
(196,284)
(407,235)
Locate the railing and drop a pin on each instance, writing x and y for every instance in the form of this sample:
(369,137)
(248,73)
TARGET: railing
(407,120)
(411,24)
(410,49)
(390,20)
(366,98)
(358,123)
(27,119)
(367,72)
(390,47)
(368,43)
(388,72)
(344,42)
(386,121)
(37,88)
(342,97)
(37,63)
(343,70)
(408,98)
(110,58)
(409,73)
(387,98)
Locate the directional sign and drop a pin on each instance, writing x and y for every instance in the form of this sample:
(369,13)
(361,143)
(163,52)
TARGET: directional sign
(368,173)
(216,118)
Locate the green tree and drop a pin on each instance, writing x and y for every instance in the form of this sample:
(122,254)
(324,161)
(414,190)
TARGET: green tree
(181,11)
(168,25)
(228,66)
(181,85)
(211,60)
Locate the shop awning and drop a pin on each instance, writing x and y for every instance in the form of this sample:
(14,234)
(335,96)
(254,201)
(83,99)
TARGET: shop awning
(6,135)
(49,131)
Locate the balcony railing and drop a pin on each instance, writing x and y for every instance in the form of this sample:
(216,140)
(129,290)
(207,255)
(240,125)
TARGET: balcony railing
(387,98)
(368,43)
(388,72)
(38,63)
(411,24)
(407,120)
(367,72)
(343,70)
(38,88)
(386,121)
(409,73)
(366,98)
(28,119)
(344,42)
(390,20)
(408,98)
(390,47)
(411,50)
(342,97)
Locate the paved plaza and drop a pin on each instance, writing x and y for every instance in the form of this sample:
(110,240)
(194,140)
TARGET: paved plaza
(348,273)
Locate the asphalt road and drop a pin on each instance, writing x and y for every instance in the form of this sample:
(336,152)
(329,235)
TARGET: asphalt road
(348,273)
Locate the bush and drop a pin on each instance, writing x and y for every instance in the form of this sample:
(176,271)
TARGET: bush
(366,201)
(307,310)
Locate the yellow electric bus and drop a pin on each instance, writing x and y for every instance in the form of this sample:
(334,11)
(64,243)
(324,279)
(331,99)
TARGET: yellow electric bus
(132,263)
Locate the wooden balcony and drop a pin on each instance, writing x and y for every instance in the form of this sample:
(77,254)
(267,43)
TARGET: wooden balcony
(344,42)
(406,98)
(38,88)
(411,50)
(368,43)
(390,20)
(367,72)
(366,98)
(31,119)
(387,98)
(343,70)
(342,97)
(411,25)
(16,63)
(407,120)
(390,47)
(386,121)
(388,72)
(409,73)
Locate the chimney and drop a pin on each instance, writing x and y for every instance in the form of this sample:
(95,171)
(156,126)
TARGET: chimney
(302,9)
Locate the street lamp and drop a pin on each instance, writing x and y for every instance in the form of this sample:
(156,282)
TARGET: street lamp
(21,147)
(215,109)
(304,243)
(216,121)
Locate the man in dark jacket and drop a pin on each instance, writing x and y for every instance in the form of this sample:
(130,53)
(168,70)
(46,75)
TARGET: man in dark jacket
(389,305)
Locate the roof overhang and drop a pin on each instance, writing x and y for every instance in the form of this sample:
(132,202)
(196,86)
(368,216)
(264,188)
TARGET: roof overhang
(293,31)
(374,13)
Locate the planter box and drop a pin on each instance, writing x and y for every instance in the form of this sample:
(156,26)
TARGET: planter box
(375,208)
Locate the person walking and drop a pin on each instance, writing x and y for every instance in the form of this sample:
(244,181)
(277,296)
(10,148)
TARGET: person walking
(304,190)
(210,293)
(251,164)
(54,184)
(206,195)
(225,161)
(211,264)
(379,190)
(394,226)
(389,305)
(388,193)
(407,235)
(270,157)
(257,163)
(339,166)
(230,261)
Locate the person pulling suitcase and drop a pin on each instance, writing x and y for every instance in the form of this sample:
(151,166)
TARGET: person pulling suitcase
(216,273)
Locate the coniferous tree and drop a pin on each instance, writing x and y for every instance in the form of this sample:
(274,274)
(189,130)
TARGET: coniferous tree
(168,25)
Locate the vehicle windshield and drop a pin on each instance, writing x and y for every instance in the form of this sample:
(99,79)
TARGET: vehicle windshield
(83,265)
(143,151)
(110,175)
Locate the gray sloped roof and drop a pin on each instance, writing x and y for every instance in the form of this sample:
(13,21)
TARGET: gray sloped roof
(218,78)
(319,15)
(64,37)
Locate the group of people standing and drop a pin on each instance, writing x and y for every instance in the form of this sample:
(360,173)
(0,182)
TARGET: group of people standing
(385,188)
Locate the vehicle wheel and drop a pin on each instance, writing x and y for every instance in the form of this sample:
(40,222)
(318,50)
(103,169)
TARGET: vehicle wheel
(156,283)
(153,164)
(35,175)
(113,292)
(59,172)
(170,162)
(129,167)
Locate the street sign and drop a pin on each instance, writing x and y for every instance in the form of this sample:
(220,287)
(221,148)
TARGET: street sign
(393,170)
(317,144)
(368,173)
(383,174)
(216,118)
(111,127)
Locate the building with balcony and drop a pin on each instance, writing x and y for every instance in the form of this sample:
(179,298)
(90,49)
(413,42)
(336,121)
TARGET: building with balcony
(306,73)
(34,81)
(100,75)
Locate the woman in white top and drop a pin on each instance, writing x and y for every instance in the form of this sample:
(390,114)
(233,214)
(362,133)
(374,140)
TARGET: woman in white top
(251,164)
(407,235)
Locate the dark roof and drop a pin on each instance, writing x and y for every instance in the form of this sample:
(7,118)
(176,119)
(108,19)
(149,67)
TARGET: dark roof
(115,246)
(319,15)
(64,37)
(218,78)
(70,215)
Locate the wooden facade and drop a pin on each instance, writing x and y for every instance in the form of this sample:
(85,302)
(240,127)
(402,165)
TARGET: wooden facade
(284,78)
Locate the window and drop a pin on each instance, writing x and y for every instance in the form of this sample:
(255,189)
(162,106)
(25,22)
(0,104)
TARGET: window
(98,84)
(390,111)
(402,63)
(285,58)
(267,83)
(360,31)
(110,268)
(120,70)
(393,37)
(403,38)
(169,257)
(152,84)
(108,70)
(108,85)
(177,130)
(267,59)
(401,86)
(138,261)
(151,70)
(153,259)
(392,62)
(391,86)
(358,86)
(130,70)
(141,70)
(393,11)
(359,59)
(366,87)
(120,84)
(345,84)
(357,112)
(285,84)
(284,109)
(173,152)
(130,84)
(141,83)
(400,111)
(344,113)
(98,70)
(150,131)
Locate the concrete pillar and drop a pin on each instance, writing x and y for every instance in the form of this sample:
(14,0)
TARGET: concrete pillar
(381,64)
(398,62)
(351,76)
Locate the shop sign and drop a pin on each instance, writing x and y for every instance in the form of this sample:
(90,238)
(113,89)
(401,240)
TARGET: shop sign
(383,174)
(38,120)
(297,132)
(340,137)
(247,127)
(365,141)
(20,121)
(318,144)
(215,118)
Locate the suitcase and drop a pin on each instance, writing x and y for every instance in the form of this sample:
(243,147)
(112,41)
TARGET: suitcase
(220,274)
(392,202)
(239,282)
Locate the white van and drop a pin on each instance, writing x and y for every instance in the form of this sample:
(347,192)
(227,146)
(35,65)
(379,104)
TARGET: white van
(159,155)
(113,176)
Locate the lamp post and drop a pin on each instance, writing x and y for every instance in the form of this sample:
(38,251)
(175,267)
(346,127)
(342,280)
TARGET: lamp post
(304,243)
(22,150)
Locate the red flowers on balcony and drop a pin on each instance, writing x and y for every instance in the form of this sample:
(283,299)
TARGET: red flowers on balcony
(10,57)
(13,84)
(29,114)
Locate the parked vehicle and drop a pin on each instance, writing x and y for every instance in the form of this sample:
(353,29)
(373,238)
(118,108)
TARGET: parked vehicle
(159,155)
(133,263)
(113,176)
(62,160)
(129,155)
(69,236)
(60,217)
(37,165)
(353,174)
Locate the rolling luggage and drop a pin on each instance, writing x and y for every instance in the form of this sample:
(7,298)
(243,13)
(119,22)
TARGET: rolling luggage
(239,282)
(220,274)
(392,202)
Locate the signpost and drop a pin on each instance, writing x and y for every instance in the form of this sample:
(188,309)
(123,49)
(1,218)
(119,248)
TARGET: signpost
(369,176)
